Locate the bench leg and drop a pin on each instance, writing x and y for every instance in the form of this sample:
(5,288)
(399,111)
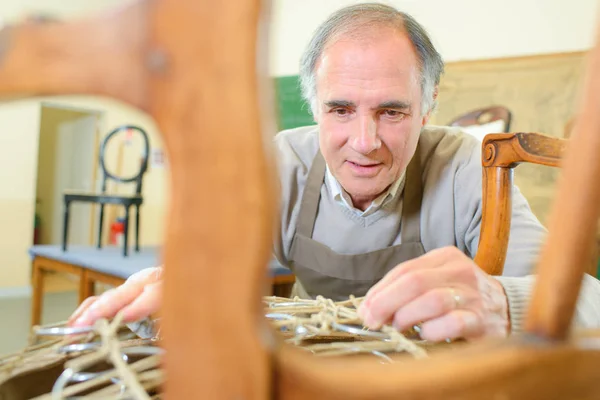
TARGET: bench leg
(86,287)
(38,293)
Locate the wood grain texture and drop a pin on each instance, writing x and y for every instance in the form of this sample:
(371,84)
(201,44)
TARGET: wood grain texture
(204,94)
(501,153)
(205,100)
(495,219)
(105,55)
(511,149)
(500,370)
(193,66)
(574,217)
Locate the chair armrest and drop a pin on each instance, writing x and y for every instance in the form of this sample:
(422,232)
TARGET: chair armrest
(500,154)
(507,150)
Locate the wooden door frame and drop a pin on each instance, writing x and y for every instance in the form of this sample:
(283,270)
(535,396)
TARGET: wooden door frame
(100,116)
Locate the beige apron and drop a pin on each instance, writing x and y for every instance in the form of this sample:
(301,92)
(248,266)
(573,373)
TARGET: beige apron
(321,271)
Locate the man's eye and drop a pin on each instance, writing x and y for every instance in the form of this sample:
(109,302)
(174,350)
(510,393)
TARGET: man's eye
(392,113)
(340,111)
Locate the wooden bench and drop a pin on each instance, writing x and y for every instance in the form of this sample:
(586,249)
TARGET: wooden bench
(108,266)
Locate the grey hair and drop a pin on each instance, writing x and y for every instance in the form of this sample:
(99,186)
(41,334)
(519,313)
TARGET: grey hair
(350,20)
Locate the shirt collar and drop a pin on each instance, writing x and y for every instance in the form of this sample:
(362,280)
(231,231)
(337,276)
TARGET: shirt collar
(338,193)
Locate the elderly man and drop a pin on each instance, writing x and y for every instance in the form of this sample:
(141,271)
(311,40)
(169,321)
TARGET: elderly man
(376,203)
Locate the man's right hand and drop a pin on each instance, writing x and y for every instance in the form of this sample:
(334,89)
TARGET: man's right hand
(137,298)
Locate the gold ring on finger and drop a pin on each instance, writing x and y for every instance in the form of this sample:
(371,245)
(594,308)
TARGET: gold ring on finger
(456,297)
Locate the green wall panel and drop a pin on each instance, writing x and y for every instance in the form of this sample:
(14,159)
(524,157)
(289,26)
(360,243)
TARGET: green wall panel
(292,111)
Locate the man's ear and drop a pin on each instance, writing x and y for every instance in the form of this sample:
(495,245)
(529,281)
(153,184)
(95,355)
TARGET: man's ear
(428,115)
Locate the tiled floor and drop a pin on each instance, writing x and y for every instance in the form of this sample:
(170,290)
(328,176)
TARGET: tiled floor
(15,317)
(60,301)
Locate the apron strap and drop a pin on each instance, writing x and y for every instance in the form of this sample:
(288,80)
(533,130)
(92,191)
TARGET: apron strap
(413,194)
(311,196)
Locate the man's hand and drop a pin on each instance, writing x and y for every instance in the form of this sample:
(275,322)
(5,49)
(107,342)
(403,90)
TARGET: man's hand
(138,297)
(445,292)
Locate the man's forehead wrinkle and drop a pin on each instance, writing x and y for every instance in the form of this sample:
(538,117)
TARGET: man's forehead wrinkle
(352,68)
(357,92)
(368,76)
(371,96)
(376,78)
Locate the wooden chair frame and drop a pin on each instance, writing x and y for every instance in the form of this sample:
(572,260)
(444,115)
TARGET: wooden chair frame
(501,153)
(191,64)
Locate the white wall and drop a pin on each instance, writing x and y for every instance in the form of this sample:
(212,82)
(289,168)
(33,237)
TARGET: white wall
(13,10)
(19,127)
(55,167)
(461,29)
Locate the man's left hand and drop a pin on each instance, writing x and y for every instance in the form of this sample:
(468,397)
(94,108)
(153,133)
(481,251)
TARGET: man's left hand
(445,292)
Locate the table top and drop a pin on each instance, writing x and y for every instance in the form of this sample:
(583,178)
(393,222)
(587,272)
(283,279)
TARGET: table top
(110,260)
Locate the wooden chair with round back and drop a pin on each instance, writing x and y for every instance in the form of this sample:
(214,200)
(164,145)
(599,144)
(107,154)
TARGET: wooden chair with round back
(104,198)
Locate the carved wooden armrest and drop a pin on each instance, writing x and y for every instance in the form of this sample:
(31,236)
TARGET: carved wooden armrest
(500,154)
(510,149)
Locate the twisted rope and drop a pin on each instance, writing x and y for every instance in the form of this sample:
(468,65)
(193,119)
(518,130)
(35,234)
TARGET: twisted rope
(110,350)
(321,326)
(323,319)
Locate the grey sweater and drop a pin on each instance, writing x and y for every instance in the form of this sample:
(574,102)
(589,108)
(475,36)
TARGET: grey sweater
(450,214)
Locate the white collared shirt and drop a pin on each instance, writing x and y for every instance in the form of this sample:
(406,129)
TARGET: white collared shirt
(342,197)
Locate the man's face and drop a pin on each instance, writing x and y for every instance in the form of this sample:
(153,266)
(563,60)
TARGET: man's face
(368,111)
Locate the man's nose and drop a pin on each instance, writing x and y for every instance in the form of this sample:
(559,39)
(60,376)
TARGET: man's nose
(365,140)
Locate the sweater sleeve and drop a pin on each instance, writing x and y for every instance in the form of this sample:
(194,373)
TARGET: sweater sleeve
(519,290)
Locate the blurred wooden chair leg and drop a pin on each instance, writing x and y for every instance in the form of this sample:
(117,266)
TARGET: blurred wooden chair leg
(86,286)
(37,298)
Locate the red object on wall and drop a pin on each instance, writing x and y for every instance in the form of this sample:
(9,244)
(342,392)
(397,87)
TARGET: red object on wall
(117,229)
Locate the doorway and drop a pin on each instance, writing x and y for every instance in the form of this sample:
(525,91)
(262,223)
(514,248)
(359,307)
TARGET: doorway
(67,160)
